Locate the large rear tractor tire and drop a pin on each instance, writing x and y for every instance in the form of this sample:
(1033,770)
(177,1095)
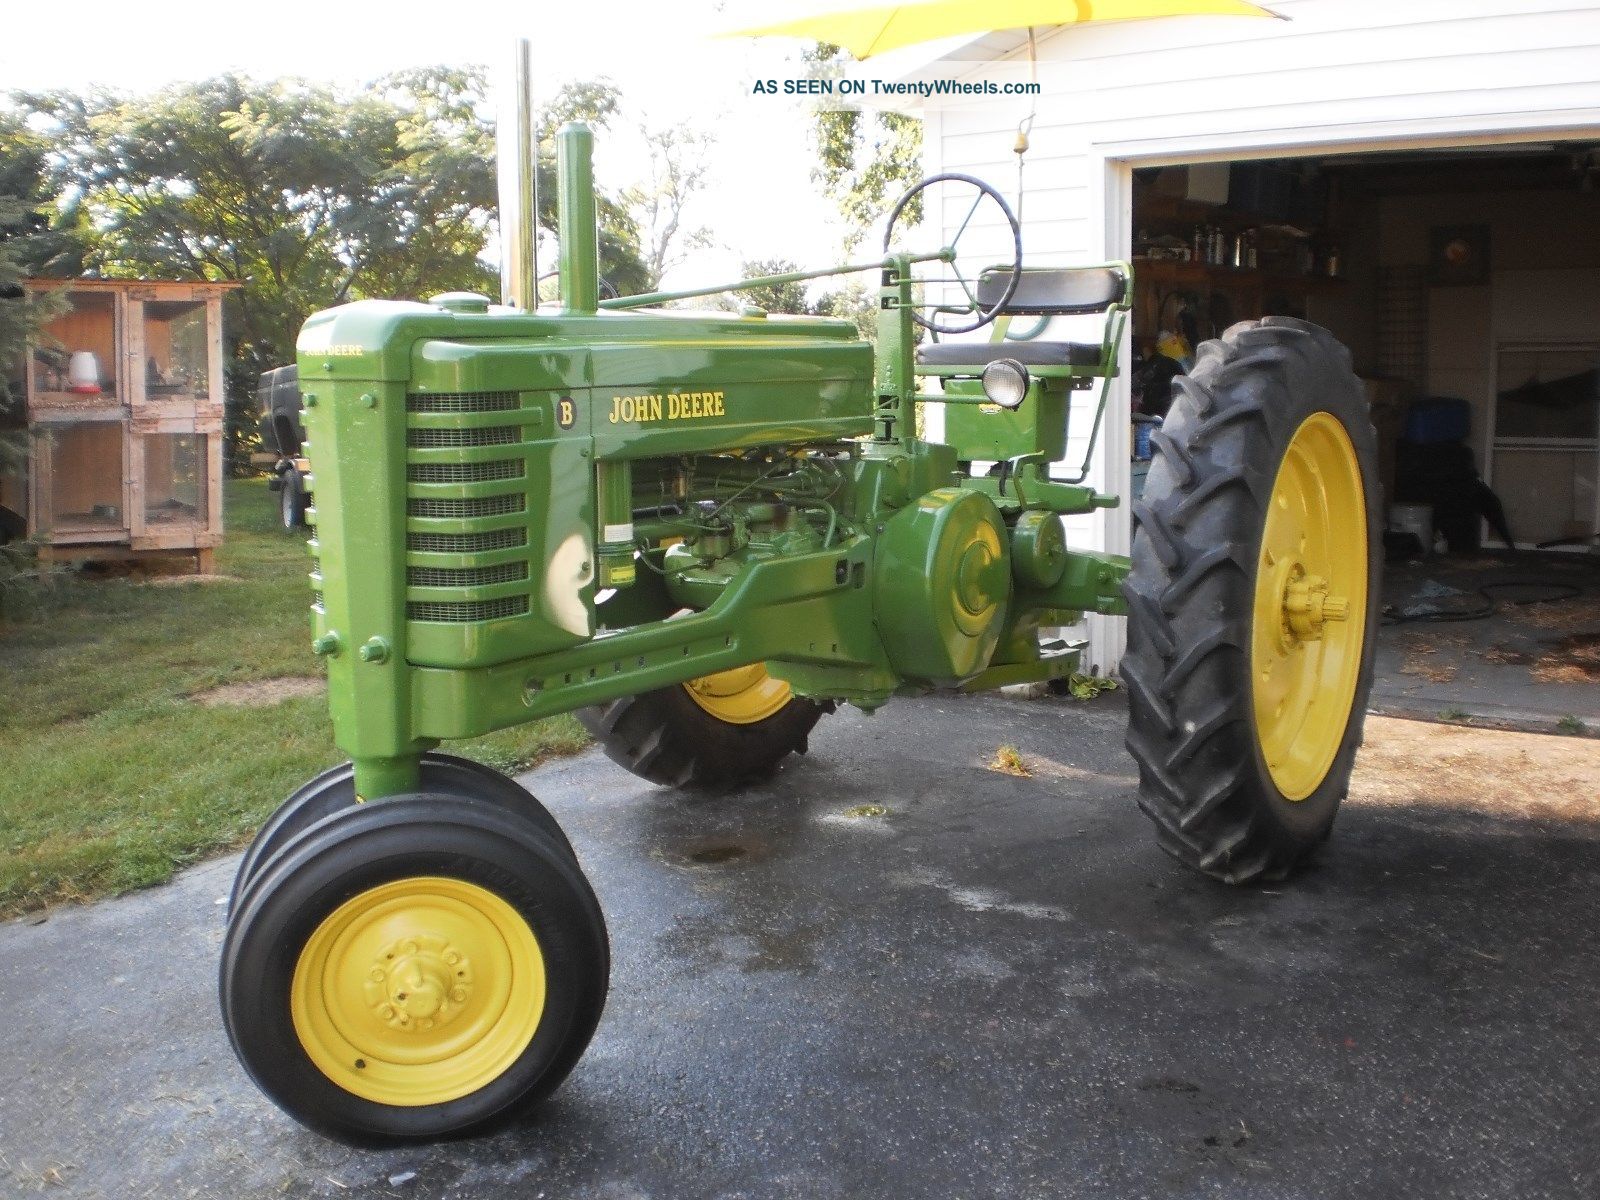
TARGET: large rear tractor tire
(417,968)
(716,732)
(1253,601)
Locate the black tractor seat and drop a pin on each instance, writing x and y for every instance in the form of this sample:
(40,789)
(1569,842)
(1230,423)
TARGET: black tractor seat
(1029,354)
(1039,292)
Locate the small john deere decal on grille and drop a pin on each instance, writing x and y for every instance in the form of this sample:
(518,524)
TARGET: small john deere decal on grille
(566,412)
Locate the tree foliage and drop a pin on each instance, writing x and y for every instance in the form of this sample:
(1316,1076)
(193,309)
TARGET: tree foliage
(597,104)
(679,161)
(306,196)
(19,314)
(854,301)
(775,298)
(26,242)
(865,161)
(19,319)
(39,243)
(28,246)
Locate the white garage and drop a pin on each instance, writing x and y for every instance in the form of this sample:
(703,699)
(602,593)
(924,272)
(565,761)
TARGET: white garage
(1421,177)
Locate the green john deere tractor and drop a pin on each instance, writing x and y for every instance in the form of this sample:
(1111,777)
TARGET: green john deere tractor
(702,531)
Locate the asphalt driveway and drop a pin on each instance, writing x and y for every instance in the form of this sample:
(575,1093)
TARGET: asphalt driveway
(997,987)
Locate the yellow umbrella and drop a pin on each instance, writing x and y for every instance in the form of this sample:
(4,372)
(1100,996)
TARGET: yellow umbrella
(868,31)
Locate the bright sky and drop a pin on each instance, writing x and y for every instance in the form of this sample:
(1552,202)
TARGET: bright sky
(760,203)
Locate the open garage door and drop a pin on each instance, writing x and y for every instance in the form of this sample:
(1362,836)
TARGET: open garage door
(1466,283)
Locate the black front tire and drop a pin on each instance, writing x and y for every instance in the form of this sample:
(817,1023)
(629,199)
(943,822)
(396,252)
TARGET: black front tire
(1199,530)
(335,789)
(410,842)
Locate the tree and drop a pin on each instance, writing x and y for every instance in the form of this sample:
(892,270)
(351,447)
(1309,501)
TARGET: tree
(42,242)
(421,210)
(678,166)
(854,301)
(596,103)
(25,240)
(775,298)
(306,196)
(20,319)
(865,161)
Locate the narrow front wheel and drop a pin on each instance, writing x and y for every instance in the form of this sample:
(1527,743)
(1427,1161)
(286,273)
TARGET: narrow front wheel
(413,969)
(335,789)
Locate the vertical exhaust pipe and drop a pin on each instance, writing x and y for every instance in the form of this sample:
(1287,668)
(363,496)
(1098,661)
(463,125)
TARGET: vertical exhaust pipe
(515,154)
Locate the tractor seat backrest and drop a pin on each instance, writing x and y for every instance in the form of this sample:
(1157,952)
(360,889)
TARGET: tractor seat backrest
(1054,291)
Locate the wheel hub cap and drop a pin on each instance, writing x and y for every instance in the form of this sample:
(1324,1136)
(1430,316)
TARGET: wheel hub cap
(419,983)
(1307,606)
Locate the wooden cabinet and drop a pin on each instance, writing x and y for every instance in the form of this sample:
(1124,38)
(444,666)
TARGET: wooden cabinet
(123,400)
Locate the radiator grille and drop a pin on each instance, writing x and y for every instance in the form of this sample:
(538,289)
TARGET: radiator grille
(453,509)
(466,543)
(461,402)
(467,610)
(466,576)
(506,468)
(453,582)
(449,439)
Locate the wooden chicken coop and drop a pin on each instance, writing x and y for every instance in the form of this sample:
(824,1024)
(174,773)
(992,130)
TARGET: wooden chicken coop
(123,400)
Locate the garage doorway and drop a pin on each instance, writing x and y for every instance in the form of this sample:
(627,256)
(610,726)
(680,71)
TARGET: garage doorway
(1466,283)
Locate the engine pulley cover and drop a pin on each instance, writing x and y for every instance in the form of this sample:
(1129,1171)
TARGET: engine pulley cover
(943,580)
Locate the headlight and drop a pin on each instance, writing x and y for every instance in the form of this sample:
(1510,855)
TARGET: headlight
(1005,382)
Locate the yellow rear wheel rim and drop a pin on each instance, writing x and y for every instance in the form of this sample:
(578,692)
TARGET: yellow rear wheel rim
(741,696)
(1310,606)
(418,991)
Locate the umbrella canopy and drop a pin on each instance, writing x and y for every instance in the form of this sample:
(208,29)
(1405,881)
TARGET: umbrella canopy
(868,31)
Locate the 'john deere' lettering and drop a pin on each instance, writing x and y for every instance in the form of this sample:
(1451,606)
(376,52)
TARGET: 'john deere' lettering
(673,406)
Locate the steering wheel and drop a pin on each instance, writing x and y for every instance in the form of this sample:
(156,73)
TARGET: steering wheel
(979,314)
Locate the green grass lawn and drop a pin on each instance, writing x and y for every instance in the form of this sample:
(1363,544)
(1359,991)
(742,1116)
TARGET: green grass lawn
(113,778)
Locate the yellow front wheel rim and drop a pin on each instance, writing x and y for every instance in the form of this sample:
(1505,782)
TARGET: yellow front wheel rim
(1310,606)
(420,991)
(741,696)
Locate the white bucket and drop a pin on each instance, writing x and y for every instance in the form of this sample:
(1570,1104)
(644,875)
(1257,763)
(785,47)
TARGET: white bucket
(1415,519)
